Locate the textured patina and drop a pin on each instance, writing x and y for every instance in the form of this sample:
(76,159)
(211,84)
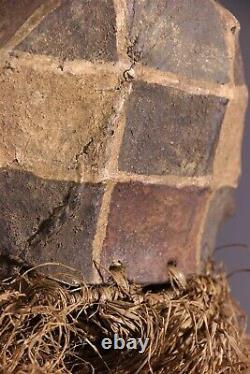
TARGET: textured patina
(121,125)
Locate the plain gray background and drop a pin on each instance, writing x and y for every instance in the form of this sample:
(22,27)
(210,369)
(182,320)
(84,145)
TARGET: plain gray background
(237,229)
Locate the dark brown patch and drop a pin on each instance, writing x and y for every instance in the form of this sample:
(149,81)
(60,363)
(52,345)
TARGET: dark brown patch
(76,30)
(184,37)
(170,132)
(72,245)
(25,201)
(151,224)
(13,13)
(54,220)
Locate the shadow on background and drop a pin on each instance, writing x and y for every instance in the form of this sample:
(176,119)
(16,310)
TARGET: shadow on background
(237,229)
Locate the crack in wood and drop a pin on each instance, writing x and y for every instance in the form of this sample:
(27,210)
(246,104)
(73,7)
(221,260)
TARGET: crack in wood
(54,223)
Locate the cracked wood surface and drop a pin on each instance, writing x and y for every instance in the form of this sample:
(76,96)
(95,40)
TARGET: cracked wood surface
(121,126)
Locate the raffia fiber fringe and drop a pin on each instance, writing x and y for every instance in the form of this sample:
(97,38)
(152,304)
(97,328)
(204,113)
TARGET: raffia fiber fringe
(50,326)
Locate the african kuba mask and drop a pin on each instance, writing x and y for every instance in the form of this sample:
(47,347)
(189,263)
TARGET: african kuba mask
(121,125)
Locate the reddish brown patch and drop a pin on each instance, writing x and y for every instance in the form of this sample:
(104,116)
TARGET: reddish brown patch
(151,224)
